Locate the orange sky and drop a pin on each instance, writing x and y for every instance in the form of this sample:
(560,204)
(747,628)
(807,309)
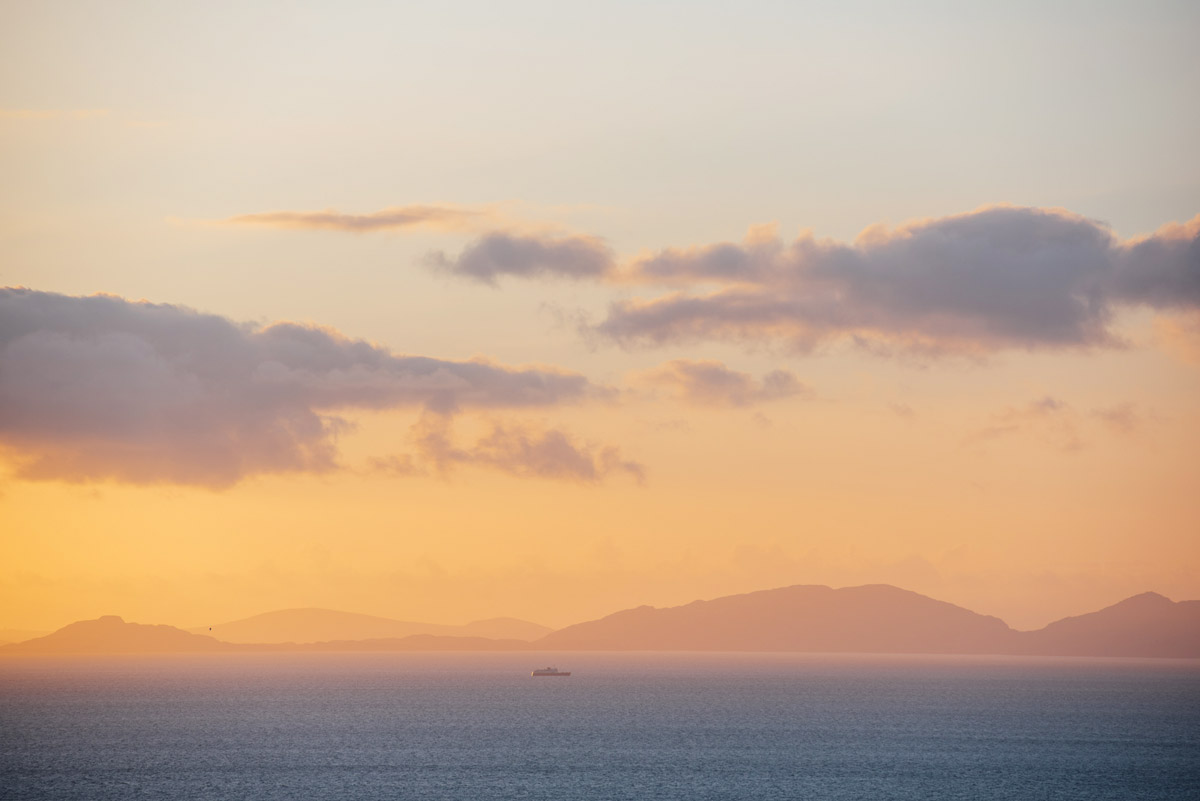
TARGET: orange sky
(378,313)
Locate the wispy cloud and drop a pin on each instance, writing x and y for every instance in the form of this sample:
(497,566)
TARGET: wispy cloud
(711,383)
(1124,418)
(394,218)
(1048,418)
(1058,424)
(100,387)
(519,450)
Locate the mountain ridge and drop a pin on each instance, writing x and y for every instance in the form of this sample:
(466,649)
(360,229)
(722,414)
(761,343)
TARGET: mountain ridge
(1142,625)
(880,618)
(803,617)
(110,634)
(873,618)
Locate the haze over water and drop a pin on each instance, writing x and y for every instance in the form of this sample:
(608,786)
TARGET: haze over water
(624,726)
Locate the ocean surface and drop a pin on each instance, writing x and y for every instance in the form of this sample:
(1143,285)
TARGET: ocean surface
(624,726)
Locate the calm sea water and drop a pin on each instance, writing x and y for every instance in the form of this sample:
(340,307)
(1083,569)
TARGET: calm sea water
(624,726)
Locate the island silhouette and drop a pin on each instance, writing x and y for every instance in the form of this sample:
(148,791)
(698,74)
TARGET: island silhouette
(321,625)
(875,618)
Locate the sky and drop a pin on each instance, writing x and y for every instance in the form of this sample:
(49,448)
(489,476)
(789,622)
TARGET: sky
(443,312)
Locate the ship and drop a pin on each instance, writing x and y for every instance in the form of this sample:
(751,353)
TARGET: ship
(550,671)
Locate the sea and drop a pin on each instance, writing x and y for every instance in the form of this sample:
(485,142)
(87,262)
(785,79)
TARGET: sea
(622,726)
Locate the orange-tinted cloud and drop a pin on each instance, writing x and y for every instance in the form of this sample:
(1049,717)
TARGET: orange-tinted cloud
(436,217)
(519,450)
(100,387)
(1124,418)
(711,383)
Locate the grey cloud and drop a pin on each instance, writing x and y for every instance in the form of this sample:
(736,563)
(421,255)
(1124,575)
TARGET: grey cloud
(528,256)
(723,262)
(453,218)
(522,451)
(1001,277)
(100,387)
(711,383)
(1162,270)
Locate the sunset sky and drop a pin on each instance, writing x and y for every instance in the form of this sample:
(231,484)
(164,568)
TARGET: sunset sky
(444,312)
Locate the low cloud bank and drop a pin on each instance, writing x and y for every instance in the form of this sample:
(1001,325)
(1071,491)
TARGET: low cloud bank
(103,388)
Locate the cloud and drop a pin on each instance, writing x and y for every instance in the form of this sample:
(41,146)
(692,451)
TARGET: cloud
(436,217)
(1049,419)
(1057,424)
(752,261)
(521,451)
(1162,270)
(711,383)
(1124,418)
(100,387)
(528,256)
(998,278)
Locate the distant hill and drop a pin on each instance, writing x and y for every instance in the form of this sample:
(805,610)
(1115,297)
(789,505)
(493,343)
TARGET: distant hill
(883,619)
(501,628)
(1144,625)
(325,625)
(418,642)
(19,635)
(875,618)
(871,619)
(111,634)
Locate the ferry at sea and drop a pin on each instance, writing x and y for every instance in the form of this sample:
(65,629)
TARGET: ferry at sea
(550,671)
